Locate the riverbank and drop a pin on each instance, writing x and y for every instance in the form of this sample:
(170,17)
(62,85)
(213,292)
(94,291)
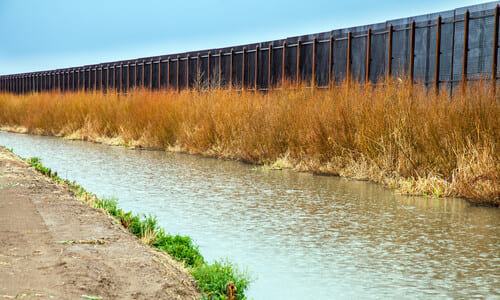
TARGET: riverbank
(211,279)
(401,136)
(55,245)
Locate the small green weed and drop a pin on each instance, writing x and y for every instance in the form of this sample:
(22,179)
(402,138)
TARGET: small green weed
(212,279)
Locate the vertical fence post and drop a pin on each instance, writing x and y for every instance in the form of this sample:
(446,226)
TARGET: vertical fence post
(209,69)
(243,67)
(466,50)
(256,75)
(270,67)
(412,51)
(349,44)
(83,78)
(283,66)
(177,86)
(330,63)
(220,69)
(159,73)
(389,51)
(313,76)
(438,54)
(368,54)
(95,78)
(298,64)
(187,70)
(495,52)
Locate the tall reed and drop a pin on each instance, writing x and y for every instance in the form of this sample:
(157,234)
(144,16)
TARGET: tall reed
(403,136)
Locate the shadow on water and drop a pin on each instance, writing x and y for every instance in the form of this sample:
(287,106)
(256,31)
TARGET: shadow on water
(303,236)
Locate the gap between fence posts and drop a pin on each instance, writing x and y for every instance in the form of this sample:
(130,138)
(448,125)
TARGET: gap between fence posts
(187,71)
(178,75)
(231,59)
(368,49)
(330,63)
(298,64)
(269,67)
(313,79)
(465,50)
(495,51)
(198,70)
(143,83)
(168,73)
(283,66)
(159,73)
(348,59)
(209,73)
(220,69)
(151,75)
(243,65)
(256,75)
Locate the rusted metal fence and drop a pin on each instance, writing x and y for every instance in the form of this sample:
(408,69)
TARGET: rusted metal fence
(444,49)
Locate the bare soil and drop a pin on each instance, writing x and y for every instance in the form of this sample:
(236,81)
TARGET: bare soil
(52,245)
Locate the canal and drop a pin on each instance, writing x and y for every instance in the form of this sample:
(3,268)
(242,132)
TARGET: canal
(301,236)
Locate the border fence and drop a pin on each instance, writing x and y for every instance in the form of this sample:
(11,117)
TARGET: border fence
(445,49)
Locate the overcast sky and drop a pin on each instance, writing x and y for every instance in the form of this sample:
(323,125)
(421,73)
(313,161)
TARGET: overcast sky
(50,34)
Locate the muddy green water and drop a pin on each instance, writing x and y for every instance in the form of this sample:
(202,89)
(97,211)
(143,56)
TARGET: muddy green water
(303,236)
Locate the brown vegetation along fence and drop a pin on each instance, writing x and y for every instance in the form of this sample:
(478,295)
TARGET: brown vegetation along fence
(440,49)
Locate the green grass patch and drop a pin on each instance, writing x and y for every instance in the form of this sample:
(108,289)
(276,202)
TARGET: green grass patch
(212,279)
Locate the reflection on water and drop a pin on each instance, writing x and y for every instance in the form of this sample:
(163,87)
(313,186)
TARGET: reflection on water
(303,236)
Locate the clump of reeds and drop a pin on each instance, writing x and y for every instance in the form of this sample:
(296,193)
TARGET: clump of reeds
(401,135)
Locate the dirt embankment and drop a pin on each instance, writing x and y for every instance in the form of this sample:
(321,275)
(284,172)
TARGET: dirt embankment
(54,246)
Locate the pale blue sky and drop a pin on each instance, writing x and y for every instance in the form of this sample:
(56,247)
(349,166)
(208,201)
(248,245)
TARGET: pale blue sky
(50,34)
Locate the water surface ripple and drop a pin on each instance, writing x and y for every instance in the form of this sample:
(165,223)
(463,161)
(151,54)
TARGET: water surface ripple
(303,236)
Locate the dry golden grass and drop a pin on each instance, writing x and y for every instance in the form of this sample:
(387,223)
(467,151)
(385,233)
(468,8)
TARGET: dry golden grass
(402,136)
